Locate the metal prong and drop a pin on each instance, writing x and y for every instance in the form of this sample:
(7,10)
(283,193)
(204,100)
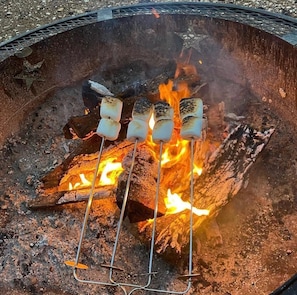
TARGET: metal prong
(122,212)
(155,215)
(186,277)
(191,212)
(110,266)
(88,208)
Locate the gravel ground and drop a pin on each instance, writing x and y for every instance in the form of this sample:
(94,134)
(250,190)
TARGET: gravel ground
(17,17)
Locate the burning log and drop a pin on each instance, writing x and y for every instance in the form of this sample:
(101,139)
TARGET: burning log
(142,191)
(56,185)
(222,178)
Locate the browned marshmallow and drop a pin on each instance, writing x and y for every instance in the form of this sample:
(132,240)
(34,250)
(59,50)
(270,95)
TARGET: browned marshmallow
(111,108)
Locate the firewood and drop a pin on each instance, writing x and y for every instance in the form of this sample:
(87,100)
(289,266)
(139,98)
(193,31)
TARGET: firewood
(47,199)
(142,190)
(52,188)
(81,126)
(222,178)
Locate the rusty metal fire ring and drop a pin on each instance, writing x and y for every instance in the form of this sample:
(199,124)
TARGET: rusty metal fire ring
(281,26)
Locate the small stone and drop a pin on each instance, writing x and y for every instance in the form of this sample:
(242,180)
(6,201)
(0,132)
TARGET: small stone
(282,93)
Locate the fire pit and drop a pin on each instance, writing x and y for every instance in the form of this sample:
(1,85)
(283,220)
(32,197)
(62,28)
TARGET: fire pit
(244,58)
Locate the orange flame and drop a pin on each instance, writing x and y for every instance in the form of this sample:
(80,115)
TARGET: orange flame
(175,204)
(177,151)
(109,171)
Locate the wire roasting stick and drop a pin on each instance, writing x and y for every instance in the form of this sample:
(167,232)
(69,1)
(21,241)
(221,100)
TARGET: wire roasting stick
(191,113)
(137,132)
(76,264)
(108,129)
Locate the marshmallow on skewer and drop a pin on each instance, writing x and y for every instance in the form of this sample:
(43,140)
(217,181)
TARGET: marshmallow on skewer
(163,111)
(191,107)
(162,131)
(191,128)
(142,109)
(108,128)
(137,130)
(111,108)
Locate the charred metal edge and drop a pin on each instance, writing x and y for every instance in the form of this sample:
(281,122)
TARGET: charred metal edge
(284,27)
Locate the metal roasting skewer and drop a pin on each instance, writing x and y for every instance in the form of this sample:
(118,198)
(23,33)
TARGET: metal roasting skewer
(76,264)
(119,227)
(123,285)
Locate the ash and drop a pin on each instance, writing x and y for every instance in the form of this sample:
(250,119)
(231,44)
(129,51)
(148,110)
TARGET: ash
(258,227)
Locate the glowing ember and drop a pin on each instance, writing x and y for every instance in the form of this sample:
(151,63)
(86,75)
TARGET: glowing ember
(175,204)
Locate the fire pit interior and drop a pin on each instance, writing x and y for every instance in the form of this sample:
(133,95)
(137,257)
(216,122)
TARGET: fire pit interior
(246,79)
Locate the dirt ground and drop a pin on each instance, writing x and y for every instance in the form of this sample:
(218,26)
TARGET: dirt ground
(258,226)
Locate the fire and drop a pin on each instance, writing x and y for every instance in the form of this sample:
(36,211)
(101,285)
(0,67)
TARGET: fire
(110,173)
(197,170)
(175,204)
(173,92)
(109,170)
(83,183)
(176,153)
(175,161)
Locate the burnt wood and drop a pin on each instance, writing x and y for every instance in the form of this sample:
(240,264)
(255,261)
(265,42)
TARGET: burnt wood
(222,178)
(142,190)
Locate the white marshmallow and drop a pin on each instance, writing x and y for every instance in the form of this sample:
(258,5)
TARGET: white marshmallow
(162,131)
(191,107)
(191,128)
(109,129)
(142,109)
(111,108)
(137,130)
(163,111)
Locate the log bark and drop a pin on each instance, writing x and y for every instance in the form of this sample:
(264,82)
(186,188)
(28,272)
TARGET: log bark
(222,178)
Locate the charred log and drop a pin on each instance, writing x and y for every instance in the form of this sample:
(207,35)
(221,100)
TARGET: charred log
(142,190)
(81,126)
(223,176)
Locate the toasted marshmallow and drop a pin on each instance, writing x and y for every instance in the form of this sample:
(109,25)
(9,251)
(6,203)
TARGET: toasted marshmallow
(137,130)
(162,131)
(111,108)
(191,128)
(109,129)
(142,109)
(163,111)
(192,107)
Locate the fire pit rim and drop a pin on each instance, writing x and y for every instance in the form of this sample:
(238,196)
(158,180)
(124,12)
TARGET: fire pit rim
(229,12)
